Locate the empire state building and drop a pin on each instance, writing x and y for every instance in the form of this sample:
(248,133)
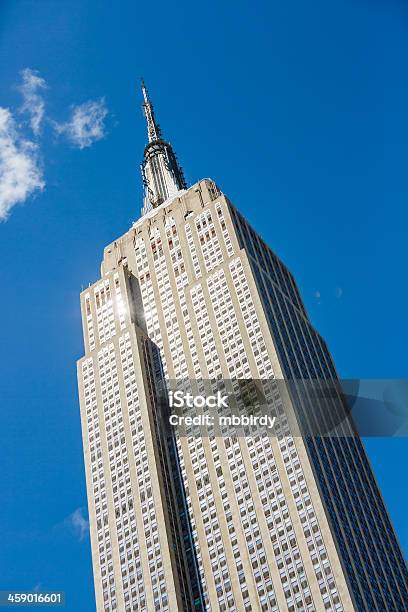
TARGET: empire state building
(223,517)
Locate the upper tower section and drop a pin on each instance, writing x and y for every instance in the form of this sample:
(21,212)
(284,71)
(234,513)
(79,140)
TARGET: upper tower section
(162,175)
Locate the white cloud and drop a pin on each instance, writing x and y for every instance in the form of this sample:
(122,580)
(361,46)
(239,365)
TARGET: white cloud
(317,295)
(338,292)
(86,125)
(20,174)
(33,102)
(79,523)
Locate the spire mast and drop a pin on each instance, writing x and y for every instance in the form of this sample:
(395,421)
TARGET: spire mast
(162,175)
(153,129)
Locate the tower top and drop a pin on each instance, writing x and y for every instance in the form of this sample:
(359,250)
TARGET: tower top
(153,129)
(161,172)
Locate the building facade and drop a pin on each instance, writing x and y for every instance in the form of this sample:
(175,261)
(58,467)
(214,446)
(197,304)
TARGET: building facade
(222,519)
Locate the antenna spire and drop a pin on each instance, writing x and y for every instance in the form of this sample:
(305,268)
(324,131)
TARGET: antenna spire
(162,175)
(153,128)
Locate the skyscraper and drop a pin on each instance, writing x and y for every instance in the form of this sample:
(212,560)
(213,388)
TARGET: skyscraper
(226,517)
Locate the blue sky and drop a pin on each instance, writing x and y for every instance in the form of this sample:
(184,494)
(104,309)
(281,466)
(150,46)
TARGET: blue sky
(298,110)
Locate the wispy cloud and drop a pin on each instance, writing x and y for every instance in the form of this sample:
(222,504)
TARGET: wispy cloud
(86,125)
(338,292)
(33,102)
(20,174)
(79,523)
